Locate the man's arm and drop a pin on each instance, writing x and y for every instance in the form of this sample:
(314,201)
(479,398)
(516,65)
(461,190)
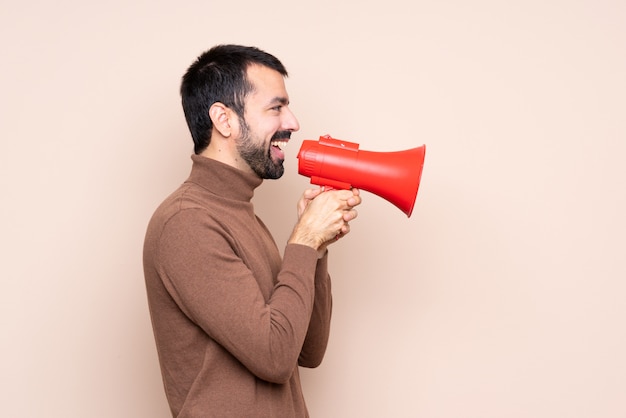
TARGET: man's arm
(316,340)
(310,211)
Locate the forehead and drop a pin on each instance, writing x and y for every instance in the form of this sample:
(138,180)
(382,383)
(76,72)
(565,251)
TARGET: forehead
(268,84)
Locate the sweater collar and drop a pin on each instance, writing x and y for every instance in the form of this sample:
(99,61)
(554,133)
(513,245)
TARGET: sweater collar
(223,179)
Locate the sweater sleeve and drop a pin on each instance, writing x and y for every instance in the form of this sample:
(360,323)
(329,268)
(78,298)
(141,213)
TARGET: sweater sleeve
(318,333)
(217,291)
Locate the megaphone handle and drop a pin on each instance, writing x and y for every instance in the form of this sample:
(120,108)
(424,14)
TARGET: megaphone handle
(320,181)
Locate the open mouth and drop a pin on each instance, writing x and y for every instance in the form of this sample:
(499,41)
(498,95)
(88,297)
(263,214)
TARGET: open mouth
(280,144)
(277,149)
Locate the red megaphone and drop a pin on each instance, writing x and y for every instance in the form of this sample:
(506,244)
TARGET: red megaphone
(394,176)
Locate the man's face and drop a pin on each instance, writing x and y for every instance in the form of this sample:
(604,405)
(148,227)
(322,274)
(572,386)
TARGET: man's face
(267,125)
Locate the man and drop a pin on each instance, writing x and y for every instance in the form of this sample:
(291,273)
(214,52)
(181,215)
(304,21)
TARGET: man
(232,320)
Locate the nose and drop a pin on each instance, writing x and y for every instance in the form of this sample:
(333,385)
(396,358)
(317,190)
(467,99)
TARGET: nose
(290,122)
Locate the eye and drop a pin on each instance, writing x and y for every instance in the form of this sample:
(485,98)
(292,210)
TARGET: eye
(277,108)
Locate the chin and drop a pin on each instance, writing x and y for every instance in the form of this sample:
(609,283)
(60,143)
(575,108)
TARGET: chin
(274,173)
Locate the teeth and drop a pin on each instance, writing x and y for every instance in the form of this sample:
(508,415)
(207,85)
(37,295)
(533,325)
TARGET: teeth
(279,144)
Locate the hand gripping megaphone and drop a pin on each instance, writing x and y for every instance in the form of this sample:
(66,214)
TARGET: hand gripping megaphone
(394,176)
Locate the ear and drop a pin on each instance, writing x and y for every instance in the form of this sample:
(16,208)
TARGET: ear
(222,118)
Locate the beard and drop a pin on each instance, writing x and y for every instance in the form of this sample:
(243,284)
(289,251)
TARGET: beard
(259,156)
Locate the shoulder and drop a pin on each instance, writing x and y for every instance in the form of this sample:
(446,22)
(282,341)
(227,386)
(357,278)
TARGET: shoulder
(183,213)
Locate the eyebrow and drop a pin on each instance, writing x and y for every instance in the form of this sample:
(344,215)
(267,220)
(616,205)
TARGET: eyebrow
(282,100)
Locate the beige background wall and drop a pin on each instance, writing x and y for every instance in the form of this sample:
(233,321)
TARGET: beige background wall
(502,296)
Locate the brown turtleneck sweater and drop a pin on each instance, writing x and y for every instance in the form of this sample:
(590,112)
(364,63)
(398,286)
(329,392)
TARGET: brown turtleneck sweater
(232,321)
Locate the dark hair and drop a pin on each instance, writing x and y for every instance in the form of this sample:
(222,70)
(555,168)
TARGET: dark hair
(219,75)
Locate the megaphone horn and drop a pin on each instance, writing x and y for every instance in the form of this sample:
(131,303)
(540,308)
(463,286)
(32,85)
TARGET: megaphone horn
(394,176)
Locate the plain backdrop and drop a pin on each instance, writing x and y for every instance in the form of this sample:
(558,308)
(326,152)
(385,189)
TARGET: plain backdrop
(502,295)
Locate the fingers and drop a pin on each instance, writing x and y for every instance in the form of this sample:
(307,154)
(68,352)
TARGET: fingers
(307,197)
(350,215)
(311,194)
(324,216)
(355,199)
(350,197)
(347,200)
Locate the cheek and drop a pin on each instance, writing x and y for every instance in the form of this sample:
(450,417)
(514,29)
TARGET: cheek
(263,128)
